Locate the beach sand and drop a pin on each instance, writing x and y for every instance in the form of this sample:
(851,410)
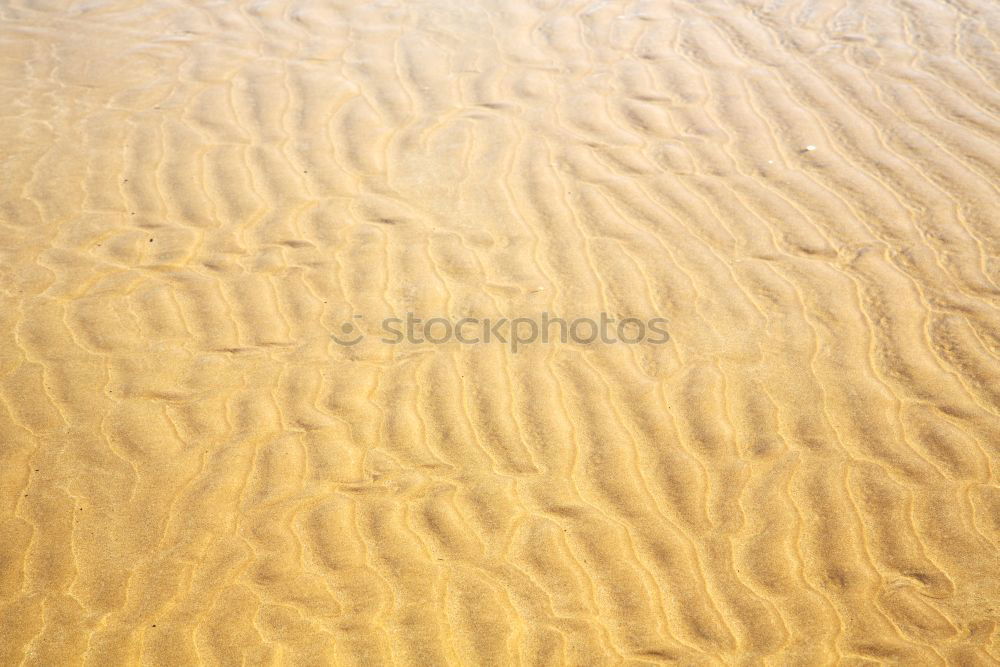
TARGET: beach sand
(197,197)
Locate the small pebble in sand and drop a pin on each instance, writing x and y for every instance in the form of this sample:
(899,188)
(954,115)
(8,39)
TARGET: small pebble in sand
(810,147)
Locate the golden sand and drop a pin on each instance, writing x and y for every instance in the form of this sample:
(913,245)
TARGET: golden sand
(196,196)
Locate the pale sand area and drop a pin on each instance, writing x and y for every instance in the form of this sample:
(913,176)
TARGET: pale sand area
(195,195)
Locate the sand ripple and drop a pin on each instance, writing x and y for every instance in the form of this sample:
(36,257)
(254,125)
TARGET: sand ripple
(194,196)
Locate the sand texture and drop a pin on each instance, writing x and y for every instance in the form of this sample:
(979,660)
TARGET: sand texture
(196,196)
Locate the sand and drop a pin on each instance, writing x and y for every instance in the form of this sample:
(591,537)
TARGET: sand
(196,197)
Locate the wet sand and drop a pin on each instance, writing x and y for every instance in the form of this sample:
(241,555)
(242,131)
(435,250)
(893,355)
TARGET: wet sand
(196,197)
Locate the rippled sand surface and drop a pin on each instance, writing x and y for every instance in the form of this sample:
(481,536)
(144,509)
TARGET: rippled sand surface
(196,196)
